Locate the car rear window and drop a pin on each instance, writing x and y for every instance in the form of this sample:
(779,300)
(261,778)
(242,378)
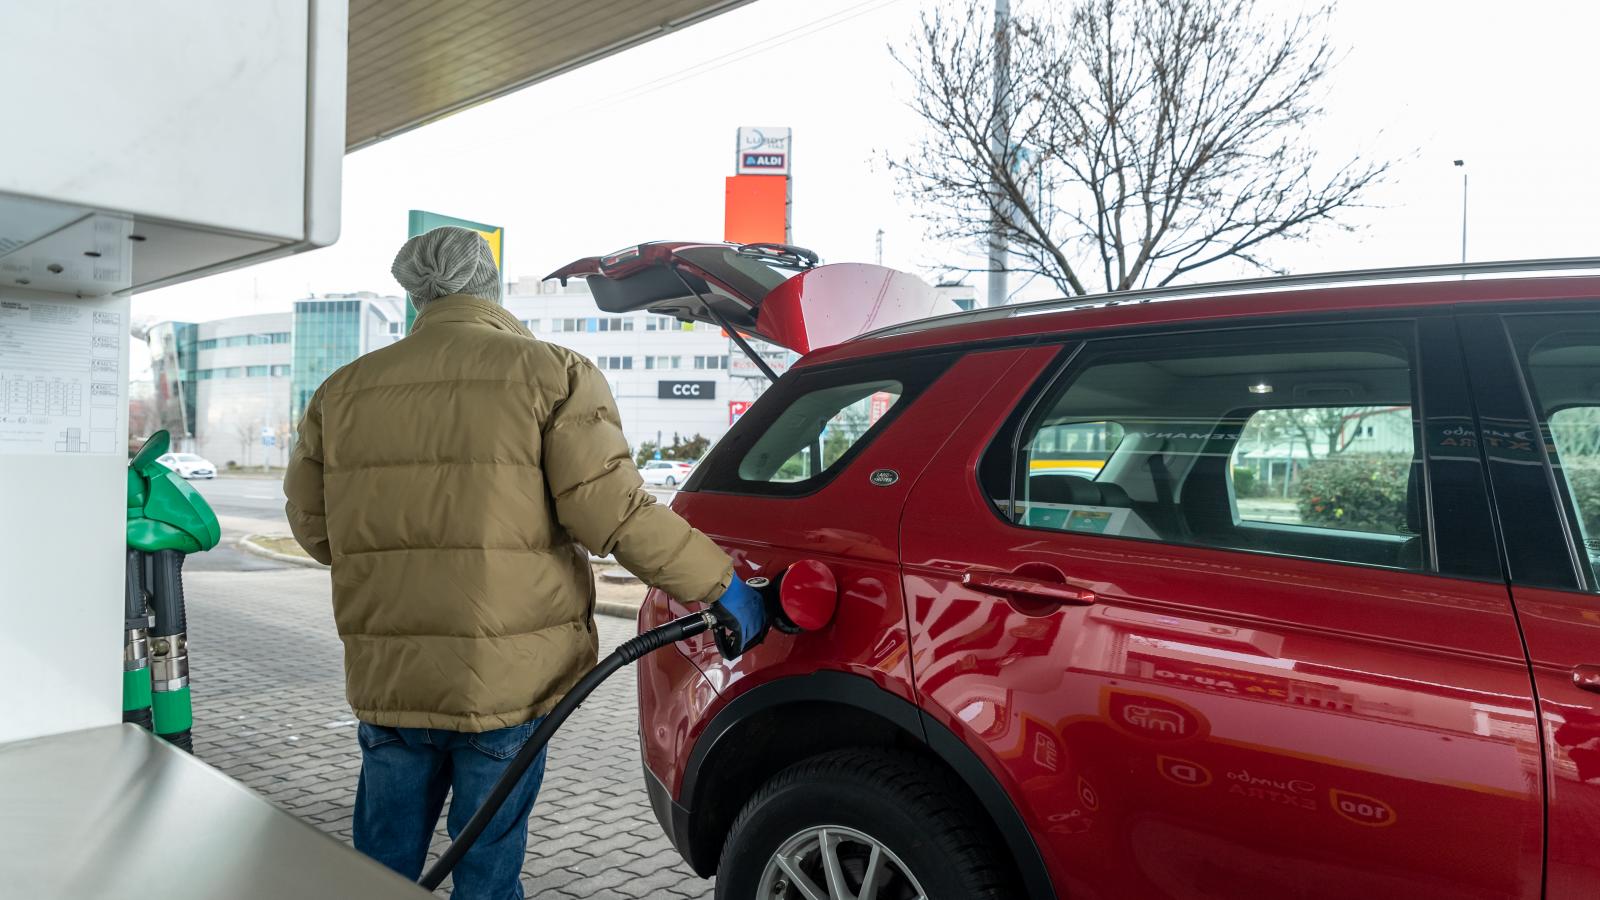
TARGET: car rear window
(810,425)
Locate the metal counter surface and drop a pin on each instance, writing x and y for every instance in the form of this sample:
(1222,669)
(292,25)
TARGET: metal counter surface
(114,812)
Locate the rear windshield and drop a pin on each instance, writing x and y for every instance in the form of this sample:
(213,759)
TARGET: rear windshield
(809,426)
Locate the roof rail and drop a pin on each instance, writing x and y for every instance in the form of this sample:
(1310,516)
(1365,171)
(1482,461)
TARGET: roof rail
(1218,288)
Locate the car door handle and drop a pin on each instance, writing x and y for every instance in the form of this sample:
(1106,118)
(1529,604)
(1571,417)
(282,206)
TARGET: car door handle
(1006,584)
(1586,678)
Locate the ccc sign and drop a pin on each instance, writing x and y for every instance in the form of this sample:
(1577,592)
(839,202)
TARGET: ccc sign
(686,390)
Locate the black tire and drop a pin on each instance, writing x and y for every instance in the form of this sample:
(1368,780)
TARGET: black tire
(918,813)
(671,482)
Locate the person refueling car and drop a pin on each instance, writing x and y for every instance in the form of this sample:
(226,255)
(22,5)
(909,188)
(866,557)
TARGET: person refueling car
(457,482)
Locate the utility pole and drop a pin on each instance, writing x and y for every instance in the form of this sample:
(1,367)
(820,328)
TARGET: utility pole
(880,246)
(999,141)
(1462,165)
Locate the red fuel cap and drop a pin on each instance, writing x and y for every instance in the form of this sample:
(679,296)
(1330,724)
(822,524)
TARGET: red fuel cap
(809,594)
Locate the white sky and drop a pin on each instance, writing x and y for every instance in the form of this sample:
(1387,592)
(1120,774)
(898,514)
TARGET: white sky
(635,147)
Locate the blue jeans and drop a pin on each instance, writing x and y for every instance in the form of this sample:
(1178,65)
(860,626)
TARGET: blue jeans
(405,773)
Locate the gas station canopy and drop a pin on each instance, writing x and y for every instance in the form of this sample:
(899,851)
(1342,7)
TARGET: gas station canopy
(414,61)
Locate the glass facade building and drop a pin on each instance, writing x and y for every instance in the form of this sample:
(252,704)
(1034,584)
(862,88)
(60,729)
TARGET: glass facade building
(234,389)
(327,334)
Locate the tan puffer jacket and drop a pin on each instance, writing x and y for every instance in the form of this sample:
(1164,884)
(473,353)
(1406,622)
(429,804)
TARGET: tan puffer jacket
(449,480)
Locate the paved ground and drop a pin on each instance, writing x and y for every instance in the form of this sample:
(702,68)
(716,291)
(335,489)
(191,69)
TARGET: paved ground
(244,504)
(270,711)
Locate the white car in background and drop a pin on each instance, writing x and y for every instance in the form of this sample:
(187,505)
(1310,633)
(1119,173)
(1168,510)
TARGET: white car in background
(189,465)
(667,472)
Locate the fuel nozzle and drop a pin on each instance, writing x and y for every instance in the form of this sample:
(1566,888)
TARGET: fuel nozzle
(802,597)
(741,619)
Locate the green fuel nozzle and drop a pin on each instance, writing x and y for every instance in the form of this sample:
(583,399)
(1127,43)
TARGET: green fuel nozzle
(164,512)
(167,520)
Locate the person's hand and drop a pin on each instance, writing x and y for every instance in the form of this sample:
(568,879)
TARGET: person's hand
(741,619)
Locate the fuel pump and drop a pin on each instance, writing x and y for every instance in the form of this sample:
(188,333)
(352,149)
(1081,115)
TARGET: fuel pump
(167,520)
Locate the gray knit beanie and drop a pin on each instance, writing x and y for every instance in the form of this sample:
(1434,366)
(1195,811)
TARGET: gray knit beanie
(447,260)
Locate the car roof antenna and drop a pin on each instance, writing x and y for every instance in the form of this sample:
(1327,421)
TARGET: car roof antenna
(728,327)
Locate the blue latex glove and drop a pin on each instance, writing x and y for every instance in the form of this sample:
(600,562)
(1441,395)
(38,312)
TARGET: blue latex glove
(741,619)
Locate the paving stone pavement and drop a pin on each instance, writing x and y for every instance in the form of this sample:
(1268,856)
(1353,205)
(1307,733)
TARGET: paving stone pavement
(269,702)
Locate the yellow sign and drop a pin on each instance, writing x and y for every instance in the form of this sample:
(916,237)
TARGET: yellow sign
(493,237)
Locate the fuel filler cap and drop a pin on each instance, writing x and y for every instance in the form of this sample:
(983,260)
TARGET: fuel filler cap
(809,594)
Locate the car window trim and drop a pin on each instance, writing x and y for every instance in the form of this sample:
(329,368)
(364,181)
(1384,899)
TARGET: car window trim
(1501,393)
(1464,545)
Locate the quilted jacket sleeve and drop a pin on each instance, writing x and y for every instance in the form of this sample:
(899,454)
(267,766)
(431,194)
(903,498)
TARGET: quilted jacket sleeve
(601,500)
(302,485)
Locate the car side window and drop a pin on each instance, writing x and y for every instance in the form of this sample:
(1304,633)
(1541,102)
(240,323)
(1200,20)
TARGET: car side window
(817,430)
(1292,440)
(808,426)
(1560,359)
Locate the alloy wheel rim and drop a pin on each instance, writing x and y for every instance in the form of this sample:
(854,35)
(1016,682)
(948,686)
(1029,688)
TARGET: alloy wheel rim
(832,862)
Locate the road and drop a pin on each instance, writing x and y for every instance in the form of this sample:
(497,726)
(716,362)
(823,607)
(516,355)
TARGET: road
(244,505)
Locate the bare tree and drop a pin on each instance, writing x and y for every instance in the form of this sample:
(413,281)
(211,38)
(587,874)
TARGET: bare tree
(1140,140)
(246,432)
(1322,432)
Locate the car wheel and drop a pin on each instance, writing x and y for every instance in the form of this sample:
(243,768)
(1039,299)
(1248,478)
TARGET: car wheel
(860,823)
(671,482)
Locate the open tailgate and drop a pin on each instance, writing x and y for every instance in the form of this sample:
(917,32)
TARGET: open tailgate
(771,292)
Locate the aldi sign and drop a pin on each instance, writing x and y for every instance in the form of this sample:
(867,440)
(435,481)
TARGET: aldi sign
(774,162)
(763,151)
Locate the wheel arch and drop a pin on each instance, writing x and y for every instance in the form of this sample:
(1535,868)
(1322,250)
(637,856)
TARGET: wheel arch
(774,725)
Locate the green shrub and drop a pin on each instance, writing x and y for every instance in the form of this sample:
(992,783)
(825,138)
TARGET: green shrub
(1583,480)
(795,468)
(1245,483)
(1363,492)
(686,449)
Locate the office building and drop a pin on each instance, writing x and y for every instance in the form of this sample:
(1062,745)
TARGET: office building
(334,329)
(669,377)
(232,389)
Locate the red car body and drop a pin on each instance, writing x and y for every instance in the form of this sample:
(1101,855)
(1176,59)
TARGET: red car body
(1161,718)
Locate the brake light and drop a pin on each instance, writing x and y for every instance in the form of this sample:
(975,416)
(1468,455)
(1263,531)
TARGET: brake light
(619,258)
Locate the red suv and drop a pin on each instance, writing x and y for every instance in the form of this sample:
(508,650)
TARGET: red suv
(1289,593)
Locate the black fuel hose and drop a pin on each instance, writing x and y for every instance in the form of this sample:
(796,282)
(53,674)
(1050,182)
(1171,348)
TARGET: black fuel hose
(629,651)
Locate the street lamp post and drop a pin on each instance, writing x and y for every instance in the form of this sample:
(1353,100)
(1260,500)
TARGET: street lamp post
(999,142)
(1462,165)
